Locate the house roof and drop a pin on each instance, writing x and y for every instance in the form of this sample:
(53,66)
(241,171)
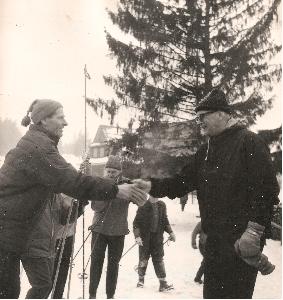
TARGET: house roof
(105,133)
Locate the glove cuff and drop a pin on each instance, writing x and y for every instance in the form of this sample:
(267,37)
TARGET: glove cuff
(255,228)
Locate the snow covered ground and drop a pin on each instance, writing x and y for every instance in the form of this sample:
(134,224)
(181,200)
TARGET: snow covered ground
(181,263)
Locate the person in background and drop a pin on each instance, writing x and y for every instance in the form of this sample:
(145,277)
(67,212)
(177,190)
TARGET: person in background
(68,230)
(38,256)
(149,225)
(110,225)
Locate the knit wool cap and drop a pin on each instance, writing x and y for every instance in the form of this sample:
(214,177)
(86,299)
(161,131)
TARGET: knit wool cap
(39,110)
(214,101)
(114,162)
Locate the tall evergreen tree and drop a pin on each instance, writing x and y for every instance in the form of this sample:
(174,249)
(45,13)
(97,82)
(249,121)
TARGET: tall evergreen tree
(180,50)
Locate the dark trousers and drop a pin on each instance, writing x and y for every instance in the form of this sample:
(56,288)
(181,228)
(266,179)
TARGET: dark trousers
(200,271)
(39,272)
(115,245)
(9,275)
(226,275)
(153,246)
(64,266)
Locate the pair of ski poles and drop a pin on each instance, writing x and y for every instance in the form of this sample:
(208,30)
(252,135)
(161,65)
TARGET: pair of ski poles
(61,246)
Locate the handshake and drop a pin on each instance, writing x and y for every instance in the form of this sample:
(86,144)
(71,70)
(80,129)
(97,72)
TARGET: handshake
(136,192)
(248,248)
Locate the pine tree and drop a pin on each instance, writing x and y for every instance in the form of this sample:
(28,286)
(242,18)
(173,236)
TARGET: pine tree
(180,50)
(175,52)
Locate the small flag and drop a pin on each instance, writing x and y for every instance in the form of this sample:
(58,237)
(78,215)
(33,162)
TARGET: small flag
(86,73)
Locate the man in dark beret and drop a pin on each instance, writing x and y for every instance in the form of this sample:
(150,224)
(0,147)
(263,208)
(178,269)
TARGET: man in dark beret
(31,174)
(236,190)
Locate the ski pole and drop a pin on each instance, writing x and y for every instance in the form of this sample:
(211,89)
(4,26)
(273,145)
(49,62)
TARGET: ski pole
(129,250)
(92,248)
(82,246)
(72,254)
(62,248)
(168,240)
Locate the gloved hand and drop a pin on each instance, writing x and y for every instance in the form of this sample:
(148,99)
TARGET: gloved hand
(248,244)
(131,193)
(261,263)
(91,227)
(142,184)
(248,248)
(139,241)
(172,236)
(194,245)
(265,266)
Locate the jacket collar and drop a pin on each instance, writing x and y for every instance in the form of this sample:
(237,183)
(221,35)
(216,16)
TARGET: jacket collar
(230,129)
(34,127)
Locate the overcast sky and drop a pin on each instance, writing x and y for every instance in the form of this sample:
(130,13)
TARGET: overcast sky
(44,46)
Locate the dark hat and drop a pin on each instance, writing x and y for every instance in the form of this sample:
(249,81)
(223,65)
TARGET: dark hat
(215,100)
(39,110)
(114,162)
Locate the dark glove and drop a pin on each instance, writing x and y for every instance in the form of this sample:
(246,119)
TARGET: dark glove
(248,244)
(265,266)
(64,213)
(194,245)
(261,263)
(91,227)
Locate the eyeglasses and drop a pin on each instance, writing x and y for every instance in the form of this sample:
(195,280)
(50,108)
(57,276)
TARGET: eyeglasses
(199,118)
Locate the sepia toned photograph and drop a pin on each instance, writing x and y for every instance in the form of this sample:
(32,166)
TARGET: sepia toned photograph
(140,149)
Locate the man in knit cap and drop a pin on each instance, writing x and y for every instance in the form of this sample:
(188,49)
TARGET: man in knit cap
(236,190)
(110,225)
(31,174)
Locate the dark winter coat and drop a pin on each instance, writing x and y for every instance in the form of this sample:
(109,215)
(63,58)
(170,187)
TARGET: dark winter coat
(32,172)
(43,236)
(41,241)
(142,222)
(234,180)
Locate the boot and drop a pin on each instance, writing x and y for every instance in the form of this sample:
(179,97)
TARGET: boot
(164,286)
(140,283)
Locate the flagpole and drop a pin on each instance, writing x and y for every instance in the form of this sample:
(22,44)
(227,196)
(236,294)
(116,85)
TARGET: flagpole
(83,211)
(85,111)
